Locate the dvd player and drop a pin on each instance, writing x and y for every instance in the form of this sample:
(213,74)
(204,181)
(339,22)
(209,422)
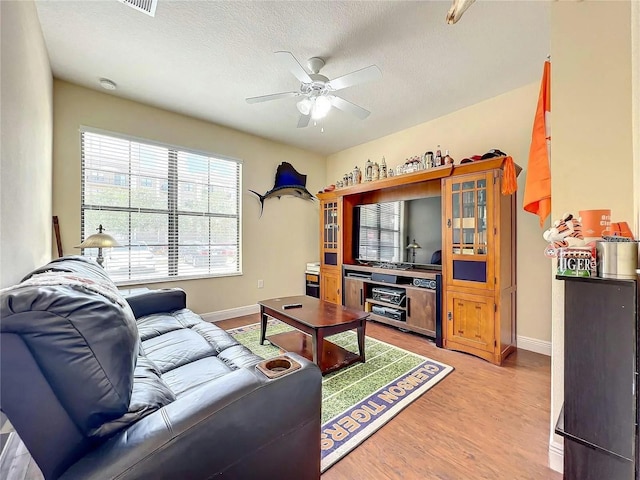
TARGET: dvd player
(388,312)
(359,275)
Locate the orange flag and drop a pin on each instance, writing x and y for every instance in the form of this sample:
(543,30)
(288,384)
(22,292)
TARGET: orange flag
(537,189)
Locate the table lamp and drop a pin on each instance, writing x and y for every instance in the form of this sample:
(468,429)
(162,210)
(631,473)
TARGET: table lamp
(413,246)
(99,240)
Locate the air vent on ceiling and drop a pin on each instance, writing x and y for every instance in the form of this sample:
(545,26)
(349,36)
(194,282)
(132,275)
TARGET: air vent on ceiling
(144,6)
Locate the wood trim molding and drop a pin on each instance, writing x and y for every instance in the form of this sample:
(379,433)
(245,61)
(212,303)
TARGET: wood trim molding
(534,345)
(556,456)
(230,313)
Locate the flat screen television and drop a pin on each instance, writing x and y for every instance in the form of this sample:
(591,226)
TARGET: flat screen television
(407,232)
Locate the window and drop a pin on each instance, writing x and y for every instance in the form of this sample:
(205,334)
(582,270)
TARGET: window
(176,213)
(120,180)
(380,226)
(146,182)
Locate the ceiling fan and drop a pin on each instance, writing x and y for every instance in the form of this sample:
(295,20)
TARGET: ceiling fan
(317,90)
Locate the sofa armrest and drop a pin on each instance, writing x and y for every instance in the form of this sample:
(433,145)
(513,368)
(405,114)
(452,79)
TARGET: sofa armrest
(157,301)
(241,425)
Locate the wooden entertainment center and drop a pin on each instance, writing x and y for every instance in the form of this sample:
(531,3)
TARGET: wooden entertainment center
(469,303)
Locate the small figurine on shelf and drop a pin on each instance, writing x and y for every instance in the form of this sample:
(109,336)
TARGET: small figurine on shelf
(447,160)
(383,168)
(438,158)
(357,175)
(375,174)
(368,171)
(345,180)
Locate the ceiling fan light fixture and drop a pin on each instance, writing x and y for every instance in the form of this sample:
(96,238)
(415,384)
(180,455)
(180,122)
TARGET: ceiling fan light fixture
(321,108)
(304,106)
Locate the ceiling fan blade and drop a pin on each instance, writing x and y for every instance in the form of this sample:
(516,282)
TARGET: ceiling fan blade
(304,121)
(288,61)
(274,96)
(352,108)
(366,74)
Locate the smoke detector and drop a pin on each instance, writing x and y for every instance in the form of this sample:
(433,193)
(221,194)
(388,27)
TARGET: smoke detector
(107,84)
(144,6)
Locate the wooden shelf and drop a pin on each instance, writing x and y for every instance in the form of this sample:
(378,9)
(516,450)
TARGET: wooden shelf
(395,181)
(385,304)
(419,177)
(388,321)
(334,357)
(409,273)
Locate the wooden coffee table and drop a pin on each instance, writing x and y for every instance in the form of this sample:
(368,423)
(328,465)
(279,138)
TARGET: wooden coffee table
(317,319)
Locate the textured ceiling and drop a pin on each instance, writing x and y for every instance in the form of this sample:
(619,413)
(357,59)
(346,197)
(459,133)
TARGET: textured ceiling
(203,58)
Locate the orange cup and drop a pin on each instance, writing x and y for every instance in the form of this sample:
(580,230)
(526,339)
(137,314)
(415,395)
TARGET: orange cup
(595,222)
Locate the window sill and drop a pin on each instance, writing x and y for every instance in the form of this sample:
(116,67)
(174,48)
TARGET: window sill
(129,283)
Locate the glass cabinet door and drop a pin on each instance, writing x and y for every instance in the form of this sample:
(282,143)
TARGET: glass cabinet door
(469,230)
(330,232)
(330,212)
(469,217)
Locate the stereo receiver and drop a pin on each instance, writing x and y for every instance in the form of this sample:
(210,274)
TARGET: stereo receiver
(389,295)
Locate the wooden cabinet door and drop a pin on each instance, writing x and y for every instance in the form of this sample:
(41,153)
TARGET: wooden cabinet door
(330,241)
(354,293)
(330,287)
(421,310)
(469,231)
(470,320)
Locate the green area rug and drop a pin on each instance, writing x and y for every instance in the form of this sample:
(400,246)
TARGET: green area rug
(359,399)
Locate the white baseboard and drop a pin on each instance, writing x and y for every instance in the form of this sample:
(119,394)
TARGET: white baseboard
(525,343)
(534,345)
(556,456)
(230,313)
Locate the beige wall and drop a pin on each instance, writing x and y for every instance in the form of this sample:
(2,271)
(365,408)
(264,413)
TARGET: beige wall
(276,247)
(502,122)
(591,160)
(26,116)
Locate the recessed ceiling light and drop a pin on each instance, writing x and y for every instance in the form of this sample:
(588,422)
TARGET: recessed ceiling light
(107,84)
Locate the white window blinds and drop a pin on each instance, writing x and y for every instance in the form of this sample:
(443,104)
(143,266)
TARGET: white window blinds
(176,213)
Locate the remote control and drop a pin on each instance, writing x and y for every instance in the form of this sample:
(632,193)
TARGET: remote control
(292,305)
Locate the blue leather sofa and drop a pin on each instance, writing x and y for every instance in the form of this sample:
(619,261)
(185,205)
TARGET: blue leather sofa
(103,387)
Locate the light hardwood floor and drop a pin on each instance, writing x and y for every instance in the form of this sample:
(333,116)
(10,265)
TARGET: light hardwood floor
(481,422)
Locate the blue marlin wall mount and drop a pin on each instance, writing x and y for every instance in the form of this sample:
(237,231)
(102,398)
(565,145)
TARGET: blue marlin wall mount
(288,183)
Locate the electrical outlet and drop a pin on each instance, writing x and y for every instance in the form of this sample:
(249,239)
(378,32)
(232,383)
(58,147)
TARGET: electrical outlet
(260,283)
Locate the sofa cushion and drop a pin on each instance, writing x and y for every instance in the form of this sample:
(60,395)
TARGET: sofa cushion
(156,324)
(176,348)
(194,374)
(149,394)
(190,352)
(82,335)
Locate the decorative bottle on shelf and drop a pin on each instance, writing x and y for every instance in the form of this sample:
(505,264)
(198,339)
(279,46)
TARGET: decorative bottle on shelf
(368,170)
(357,175)
(447,160)
(375,173)
(438,157)
(383,168)
(428,159)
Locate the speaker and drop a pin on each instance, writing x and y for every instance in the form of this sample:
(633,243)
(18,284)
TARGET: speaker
(384,277)
(424,283)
